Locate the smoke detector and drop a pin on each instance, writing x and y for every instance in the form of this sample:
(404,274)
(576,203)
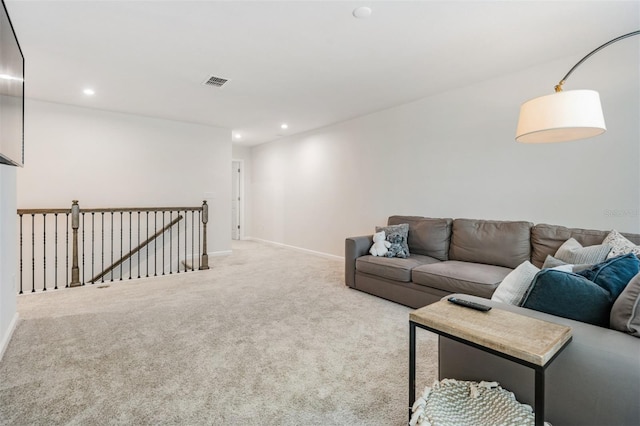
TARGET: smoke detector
(214,81)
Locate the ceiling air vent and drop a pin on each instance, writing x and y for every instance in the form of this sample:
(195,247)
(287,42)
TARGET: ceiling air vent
(215,81)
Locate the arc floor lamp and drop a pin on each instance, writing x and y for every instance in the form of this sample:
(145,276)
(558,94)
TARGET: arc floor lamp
(564,116)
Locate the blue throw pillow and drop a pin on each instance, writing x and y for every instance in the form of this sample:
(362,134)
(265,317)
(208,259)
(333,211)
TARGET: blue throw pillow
(614,274)
(569,295)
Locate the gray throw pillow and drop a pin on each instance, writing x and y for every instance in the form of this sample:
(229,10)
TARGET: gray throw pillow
(552,263)
(572,252)
(625,313)
(403,230)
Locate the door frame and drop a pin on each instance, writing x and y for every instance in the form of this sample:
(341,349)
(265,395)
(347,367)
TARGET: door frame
(241,235)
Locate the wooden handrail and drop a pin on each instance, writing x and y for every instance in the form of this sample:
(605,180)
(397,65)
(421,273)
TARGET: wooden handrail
(43,211)
(135,250)
(140,209)
(110,210)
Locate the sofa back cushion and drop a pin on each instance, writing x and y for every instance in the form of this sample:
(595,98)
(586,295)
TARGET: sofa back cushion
(546,239)
(500,243)
(625,313)
(427,236)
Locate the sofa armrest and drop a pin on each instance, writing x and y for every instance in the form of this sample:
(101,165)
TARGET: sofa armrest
(354,247)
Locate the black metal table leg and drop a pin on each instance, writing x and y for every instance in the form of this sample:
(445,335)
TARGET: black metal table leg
(412,365)
(539,397)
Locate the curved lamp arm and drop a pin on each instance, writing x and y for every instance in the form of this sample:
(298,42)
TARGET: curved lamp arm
(594,51)
(564,116)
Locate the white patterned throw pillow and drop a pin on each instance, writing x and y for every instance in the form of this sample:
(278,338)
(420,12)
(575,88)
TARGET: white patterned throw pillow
(620,245)
(515,285)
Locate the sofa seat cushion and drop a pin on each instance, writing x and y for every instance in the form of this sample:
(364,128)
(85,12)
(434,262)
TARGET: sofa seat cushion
(393,268)
(461,277)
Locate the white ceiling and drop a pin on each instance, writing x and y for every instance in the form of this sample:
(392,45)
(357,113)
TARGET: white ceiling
(309,64)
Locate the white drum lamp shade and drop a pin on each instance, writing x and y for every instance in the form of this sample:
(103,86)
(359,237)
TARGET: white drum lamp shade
(562,116)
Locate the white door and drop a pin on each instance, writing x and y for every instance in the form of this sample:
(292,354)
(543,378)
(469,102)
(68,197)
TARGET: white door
(236,170)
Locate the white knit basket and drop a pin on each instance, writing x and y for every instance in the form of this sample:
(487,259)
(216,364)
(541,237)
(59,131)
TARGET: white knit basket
(461,403)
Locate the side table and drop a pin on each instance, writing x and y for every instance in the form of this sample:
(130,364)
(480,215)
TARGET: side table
(527,341)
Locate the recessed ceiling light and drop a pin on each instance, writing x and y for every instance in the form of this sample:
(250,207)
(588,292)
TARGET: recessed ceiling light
(89,92)
(237,136)
(362,12)
(284,126)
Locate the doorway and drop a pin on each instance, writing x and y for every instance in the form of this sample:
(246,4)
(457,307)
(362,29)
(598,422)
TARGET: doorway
(236,199)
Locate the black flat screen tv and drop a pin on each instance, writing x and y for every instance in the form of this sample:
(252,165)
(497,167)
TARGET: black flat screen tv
(11,94)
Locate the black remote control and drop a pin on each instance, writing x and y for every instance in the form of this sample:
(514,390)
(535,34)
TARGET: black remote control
(468,304)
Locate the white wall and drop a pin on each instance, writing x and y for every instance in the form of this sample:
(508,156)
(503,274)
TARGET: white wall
(454,155)
(8,261)
(106,159)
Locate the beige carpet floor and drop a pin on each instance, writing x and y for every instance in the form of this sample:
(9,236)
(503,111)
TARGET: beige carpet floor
(267,336)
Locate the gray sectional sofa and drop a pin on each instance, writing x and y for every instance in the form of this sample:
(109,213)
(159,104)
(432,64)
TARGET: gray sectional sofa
(456,256)
(595,380)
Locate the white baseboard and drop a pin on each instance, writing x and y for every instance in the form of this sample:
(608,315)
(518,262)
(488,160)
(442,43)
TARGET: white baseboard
(7,337)
(304,250)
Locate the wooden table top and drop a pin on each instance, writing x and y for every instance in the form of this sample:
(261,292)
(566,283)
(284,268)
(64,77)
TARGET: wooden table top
(529,339)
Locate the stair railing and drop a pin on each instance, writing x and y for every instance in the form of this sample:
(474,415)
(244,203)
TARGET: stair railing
(165,240)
